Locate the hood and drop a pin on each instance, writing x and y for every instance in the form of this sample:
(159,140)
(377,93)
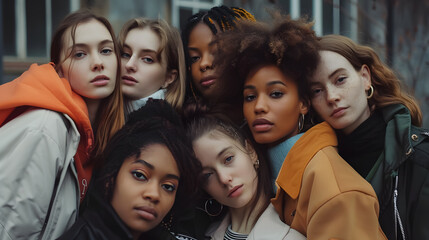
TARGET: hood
(41,87)
(398,143)
(316,138)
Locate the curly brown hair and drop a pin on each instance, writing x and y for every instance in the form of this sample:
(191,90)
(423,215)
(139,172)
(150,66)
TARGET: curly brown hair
(291,45)
(388,89)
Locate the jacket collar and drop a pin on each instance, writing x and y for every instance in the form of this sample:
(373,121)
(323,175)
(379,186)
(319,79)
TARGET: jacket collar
(268,226)
(103,217)
(399,131)
(316,138)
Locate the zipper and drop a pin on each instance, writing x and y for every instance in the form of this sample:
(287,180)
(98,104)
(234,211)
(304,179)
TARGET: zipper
(396,211)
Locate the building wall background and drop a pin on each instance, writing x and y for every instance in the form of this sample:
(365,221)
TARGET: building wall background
(397,29)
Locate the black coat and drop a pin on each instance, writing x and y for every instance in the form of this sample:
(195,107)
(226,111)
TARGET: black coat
(100,221)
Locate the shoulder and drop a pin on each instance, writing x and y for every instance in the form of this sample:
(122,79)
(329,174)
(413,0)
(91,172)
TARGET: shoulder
(44,121)
(420,142)
(217,229)
(80,230)
(37,119)
(39,134)
(330,175)
(269,226)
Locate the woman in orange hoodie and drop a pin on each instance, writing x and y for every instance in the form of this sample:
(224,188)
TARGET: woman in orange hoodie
(47,119)
(318,193)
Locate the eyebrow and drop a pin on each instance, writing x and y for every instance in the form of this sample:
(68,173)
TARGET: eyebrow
(193,49)
(268,84)
(223,151)
(145,50)
(143,162)
(84,45)
(335,72)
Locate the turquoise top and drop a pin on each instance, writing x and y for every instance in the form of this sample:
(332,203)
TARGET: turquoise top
(278,153)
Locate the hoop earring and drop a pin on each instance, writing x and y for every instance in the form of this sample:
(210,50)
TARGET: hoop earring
(301,122)
(209,204)
(370,92)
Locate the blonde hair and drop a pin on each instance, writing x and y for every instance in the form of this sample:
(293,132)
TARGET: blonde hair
(388,89)
(171,48)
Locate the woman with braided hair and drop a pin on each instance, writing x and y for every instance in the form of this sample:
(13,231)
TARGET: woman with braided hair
(203,82)
(318,193)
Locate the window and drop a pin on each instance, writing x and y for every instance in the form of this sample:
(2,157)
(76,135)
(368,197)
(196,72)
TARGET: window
(183,9)
(28,26)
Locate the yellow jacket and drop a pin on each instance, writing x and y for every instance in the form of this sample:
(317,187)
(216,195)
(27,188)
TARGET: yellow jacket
(323,197)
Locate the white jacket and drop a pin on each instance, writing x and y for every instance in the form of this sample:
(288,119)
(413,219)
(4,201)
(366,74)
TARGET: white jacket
(36,151)
(268,227)
(136,104)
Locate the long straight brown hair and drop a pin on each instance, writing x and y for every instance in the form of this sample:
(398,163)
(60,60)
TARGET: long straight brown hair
(110,114)
(388,89)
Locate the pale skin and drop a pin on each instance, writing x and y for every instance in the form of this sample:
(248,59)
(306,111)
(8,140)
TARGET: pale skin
(92,66)
(339,92)
(143,72)
(230,177)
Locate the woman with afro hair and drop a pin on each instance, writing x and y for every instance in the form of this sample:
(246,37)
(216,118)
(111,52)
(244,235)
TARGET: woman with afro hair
(318,193)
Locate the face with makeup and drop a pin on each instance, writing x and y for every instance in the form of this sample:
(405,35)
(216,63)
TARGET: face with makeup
(228,169)
(339,92)
(143,72)
(201,56)
(90,65)
(145,188)
(272,105)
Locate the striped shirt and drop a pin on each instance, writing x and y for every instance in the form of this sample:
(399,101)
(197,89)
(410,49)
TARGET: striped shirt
(231,235)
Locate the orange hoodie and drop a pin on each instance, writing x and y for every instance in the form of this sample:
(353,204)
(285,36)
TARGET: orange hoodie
(41,87)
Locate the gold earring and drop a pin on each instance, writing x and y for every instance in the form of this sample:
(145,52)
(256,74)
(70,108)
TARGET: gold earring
(256,164)
(370,92)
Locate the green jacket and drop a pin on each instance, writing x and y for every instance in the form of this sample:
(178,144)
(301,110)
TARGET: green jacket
(403,167)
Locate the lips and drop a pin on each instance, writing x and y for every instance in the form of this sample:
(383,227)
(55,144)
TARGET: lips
(262,125)
(128,80)
(236,191)
(100,80)
(338,112)
(208,81)
(147,213)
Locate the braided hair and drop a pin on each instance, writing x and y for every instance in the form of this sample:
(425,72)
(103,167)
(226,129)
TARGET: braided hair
(221,17)
(155,123)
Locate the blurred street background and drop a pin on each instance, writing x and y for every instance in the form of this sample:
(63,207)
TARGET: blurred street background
(397,29)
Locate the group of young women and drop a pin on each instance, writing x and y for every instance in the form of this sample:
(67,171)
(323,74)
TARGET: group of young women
(236,129)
